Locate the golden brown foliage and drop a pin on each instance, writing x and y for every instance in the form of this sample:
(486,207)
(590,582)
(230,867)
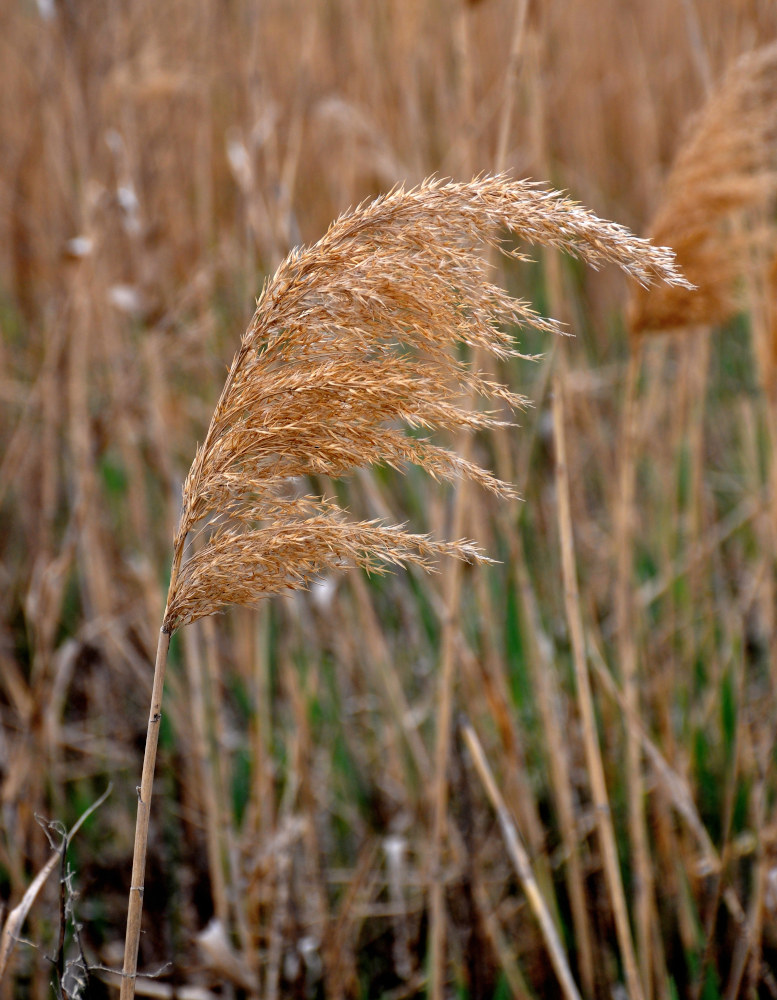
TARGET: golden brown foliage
(350,346)
(714,209)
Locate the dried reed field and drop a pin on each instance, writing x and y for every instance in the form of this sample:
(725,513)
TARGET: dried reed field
(471,687)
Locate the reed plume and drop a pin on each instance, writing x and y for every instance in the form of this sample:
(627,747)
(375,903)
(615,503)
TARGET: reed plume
(715,208)
(350,348)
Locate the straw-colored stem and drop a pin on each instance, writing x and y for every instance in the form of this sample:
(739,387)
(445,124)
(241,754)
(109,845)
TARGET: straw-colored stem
(489,680)
(672,782)
(585,699)
(511,78)
(546,690)
(627,656)
(748,945)
(503,945)
(451,602)
(441,756)
(764,345)
(135,910)
(699,349)
(218,742)
(380,665)
(453,591)
(732,785)
(204,763)
(522,864)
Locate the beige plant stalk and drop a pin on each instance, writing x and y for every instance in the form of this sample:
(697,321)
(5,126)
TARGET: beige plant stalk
(350,347)
(717,211)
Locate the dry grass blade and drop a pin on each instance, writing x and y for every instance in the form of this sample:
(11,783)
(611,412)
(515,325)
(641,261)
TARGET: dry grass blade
(522,864)
(15,919)
(349,347)
(713,209)
(13,924)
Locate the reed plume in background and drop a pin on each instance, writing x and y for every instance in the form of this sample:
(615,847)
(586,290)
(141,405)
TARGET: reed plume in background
(715,207)
(352,345)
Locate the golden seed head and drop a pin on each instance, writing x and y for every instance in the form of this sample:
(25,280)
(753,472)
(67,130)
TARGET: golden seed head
(350,346)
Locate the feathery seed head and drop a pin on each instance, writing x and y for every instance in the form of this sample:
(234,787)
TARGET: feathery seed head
(716,198)
(351,345)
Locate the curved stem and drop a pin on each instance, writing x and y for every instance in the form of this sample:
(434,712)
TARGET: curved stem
(135,908)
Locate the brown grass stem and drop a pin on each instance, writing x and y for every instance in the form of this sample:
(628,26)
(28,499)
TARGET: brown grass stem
(490,680)
(381,666)
(543,674)
(509,88)
(217,731)
(521,862)
(503,946)
(195,673)
(452,595)
(585,700)
(673,783)
(14,921)
(137,885)
(747,950)
(711,916)
(451,592)
(452,599)
(760,295)
(546,688)
(625,514)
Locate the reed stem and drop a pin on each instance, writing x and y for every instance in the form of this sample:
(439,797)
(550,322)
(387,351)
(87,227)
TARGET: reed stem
(628,656)
(522,863)
(135,908)
(594,763)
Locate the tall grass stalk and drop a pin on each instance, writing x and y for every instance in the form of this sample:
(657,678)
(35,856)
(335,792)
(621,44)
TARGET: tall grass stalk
(349,348)
(595,767)
(522,864)
(452,594)
(716,198)
(546,688)
(627,643)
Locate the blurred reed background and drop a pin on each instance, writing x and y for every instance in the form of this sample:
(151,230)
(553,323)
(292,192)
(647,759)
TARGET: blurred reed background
(617,666)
